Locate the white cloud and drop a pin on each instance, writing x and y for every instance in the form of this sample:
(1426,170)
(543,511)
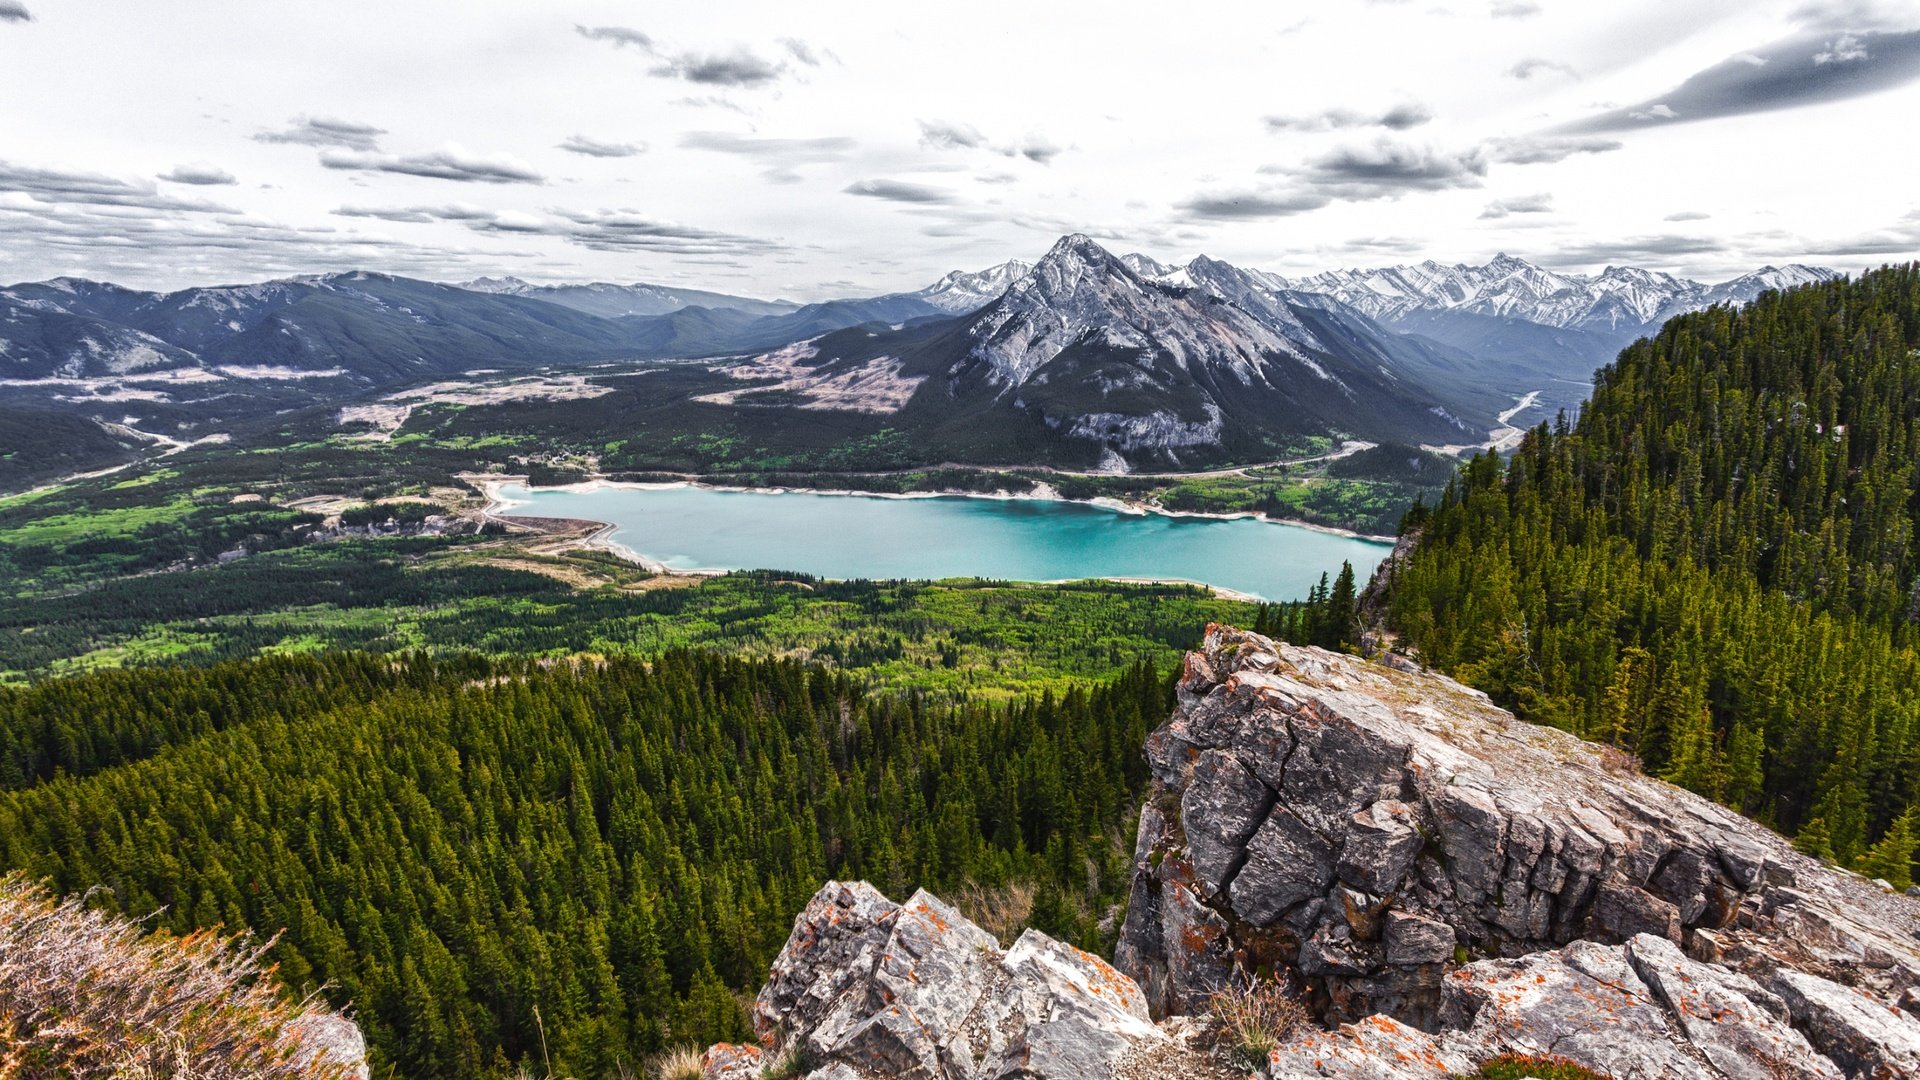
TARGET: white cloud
(717,145)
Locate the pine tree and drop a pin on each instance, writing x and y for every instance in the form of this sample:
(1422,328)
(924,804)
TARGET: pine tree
(1337,624)
(1891,858)
(1813,839)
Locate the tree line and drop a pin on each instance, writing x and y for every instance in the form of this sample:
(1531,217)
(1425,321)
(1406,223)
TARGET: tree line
(456,845)
(1714,566)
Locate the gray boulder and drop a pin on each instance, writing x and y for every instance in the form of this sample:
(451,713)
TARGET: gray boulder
(1387,838)
(1861,1033)
(869,988)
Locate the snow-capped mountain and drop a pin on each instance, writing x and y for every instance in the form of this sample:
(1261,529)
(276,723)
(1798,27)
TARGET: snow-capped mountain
(1744,288)
(374,328)
(962,291)
(1146,265)
(611,301)
(1080,292)
(1620,299)
(1083,359)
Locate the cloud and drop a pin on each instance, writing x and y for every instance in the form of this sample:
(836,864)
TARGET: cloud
(449,163)
(1845,49)
(801,51)
(420,214)
(1534,65)
(1253,205)
(14,11)
(617,36)
(629,230)
(130,237)
(782,157)
(899,191)
(1398,118)
(738,67)
(200,173)
(1902,238)
(601,230)
(326,131)
(1808,69)
(1521,204)
(581,144)
(57,187)
(1515,9)
(1387,167)
(1400,244)
(1856,15)
(1634,249)
(1688,215)
(1039,149)
(947,135)
(1546,149)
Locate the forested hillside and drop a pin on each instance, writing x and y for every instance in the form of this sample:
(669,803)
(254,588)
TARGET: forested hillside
(451,844)
(1714,567)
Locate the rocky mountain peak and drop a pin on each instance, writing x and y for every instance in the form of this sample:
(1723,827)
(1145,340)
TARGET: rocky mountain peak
(1079,292)
(1403,848)
(505,284)
(962,291)
(1437,882)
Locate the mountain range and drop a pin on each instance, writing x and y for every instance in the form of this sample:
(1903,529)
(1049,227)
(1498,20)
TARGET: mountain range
(1130,359)
(1083,350)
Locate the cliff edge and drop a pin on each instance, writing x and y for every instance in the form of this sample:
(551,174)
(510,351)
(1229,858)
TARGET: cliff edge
(1438,883)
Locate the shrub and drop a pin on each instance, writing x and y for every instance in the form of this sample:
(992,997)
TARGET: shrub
(1255,1019)
(680,1064)
(83,993)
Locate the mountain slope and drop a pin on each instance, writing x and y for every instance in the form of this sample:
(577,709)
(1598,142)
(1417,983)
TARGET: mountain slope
(610,301)
(373,327)
(960,292)
(1558,326)
(1082,359)
(1714,567)
(41,341)
(1619,300)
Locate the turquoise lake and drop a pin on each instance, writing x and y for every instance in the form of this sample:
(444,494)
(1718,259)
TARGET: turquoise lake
(850,536)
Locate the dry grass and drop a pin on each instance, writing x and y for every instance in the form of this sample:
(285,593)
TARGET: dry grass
(1254,1019)
(679,1064)
(1000,910)
(85,994)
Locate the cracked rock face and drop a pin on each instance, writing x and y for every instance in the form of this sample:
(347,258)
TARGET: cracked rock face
(869,988)
(1436,874)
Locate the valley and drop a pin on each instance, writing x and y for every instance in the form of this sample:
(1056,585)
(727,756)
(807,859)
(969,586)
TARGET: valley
(966,548)
(681,528)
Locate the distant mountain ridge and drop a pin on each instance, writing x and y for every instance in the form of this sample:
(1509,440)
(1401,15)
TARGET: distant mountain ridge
(612,301)
(1618,299)
(1084,359)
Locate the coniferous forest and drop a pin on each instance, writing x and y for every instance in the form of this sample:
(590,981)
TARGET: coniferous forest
(474,852)
(585,842)
(1714,566)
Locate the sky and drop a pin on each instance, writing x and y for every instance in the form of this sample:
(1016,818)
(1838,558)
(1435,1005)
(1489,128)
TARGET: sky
(826,149)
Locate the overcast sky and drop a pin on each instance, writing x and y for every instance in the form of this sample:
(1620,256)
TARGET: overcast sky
(808,150)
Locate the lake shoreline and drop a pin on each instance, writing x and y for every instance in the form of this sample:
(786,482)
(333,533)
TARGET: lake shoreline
(1043,492)
(499,507)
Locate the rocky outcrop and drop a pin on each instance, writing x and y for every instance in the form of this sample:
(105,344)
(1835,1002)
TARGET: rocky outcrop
(1438,882)
(1442,883)
(869,988)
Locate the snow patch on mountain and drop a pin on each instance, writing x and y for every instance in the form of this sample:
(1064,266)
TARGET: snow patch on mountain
(962,291)
(1080,289)
(1620,298)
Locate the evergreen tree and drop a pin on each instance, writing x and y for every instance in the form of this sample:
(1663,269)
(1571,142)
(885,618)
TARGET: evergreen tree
(1891,858)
